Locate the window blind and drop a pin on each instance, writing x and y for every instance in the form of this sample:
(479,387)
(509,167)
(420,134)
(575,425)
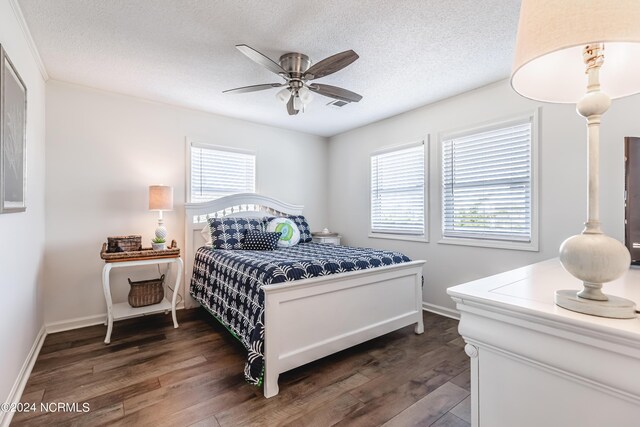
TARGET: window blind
(486,180)
(397,191)
(217,173)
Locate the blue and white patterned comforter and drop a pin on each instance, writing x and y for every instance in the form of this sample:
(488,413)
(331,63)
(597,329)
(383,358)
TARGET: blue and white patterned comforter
(228,283)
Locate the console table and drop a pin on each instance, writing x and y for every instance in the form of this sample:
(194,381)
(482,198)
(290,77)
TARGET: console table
(536,364)
(124,310)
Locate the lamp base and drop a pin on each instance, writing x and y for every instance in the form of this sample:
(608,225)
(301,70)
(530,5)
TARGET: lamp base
(161,232)
(614,307)
(594,258)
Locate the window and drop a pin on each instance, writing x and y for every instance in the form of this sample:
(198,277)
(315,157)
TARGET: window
(487,185)
(398,191)
(218,172)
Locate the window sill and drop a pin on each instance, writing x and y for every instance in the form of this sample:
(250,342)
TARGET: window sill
(494,244)
(408,238)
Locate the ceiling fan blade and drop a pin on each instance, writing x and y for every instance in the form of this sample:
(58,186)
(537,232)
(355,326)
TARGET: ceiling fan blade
(335,92)
(253,88)
(331,64)
(261,59)
(292,111)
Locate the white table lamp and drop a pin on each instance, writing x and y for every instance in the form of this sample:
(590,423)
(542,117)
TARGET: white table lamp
(160,199)
(565,51)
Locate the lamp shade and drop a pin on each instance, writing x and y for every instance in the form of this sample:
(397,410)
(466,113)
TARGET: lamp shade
(160,198)
(305,95)
(552,34)
(297,104)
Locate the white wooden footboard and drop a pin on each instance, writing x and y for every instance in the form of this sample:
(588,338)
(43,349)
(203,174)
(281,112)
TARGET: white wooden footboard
(309,319)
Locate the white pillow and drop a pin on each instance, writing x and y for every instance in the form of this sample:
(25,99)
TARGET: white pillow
(290,232)
(206,235)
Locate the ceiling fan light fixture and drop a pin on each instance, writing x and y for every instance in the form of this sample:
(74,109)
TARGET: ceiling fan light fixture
(305,95)
(297,103)
(283,95)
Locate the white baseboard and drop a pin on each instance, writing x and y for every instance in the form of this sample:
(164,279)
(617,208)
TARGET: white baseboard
(442,311)
(18,387)
(77,323)
(83,322)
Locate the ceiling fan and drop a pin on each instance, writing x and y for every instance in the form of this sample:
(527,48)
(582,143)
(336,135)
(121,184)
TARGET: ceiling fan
(297,71)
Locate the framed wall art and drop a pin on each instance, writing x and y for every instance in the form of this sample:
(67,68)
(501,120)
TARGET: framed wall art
(13,137)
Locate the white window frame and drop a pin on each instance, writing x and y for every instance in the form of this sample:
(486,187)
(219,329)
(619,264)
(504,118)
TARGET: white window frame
(194,142)
(427,167)
(533,245)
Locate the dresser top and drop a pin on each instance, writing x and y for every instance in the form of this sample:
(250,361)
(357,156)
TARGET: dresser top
(529,292)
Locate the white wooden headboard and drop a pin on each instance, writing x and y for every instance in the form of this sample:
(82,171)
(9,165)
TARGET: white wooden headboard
(237,205)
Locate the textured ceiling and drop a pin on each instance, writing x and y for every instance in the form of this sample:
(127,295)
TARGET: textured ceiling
(412,52)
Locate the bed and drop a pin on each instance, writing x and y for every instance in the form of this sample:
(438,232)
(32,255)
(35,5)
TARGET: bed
(292,306)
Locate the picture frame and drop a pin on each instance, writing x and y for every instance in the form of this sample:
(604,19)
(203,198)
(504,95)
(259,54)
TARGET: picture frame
(13,137)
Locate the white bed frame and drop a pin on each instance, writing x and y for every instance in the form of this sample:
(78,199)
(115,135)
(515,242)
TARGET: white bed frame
(309,319)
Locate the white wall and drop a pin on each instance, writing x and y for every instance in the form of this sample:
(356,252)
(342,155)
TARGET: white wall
(22,234)
(562,178)
(103,150)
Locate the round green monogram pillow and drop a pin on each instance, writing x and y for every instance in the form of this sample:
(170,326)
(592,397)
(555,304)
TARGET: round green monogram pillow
(290,234)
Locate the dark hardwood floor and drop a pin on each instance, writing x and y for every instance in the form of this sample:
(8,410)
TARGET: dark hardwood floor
(152,374)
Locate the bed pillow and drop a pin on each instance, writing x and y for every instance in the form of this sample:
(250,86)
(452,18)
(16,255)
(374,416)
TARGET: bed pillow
(228,233)
(301,223)
(303,226)
(206,234)
(261,240)
(290,235)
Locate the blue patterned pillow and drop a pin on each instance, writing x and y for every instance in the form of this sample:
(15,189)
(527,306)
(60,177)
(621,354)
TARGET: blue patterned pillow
(301,222)
(303,226)
(261,240)
(229,233)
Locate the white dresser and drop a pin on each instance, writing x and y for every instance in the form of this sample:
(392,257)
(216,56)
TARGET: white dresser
(534,364)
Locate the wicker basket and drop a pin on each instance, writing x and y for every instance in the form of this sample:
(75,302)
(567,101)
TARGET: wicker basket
(146,292)
(124,243)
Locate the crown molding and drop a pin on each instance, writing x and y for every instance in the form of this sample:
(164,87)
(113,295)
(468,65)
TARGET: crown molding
(27,36)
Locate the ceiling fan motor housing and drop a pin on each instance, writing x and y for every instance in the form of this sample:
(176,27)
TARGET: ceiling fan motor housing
(295,64)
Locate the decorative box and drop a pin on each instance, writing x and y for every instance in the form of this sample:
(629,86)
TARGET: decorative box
(124,243)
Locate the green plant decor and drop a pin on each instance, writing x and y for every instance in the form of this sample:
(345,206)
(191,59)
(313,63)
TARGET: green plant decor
(158,240)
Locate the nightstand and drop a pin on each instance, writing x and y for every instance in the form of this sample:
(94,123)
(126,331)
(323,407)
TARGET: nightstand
(123,310)
(327,238)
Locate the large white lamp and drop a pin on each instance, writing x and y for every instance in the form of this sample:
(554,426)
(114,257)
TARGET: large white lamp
(565,51)
(160,199)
